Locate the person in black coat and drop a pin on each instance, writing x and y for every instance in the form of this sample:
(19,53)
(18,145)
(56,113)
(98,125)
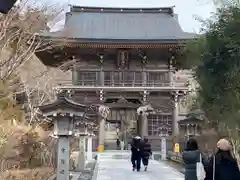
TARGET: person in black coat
(136,153)
(146,152)
(191,155)
(222,165)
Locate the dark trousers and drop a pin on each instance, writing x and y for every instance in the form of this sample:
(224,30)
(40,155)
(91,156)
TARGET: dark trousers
(145,161)
(136,163)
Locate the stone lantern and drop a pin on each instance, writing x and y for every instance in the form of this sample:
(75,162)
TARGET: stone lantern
(82,129)
(63,113)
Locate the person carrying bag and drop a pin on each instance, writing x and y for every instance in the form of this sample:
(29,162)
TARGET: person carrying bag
(194,161)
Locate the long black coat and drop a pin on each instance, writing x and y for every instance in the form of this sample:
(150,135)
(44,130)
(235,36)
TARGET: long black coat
(225,169)
(146,150)
(190,159)
(136,149)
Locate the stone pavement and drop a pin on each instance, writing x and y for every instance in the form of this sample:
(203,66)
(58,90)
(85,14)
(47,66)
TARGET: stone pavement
(120,169)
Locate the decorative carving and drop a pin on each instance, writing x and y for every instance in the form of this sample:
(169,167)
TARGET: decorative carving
(101,59)
(178,96)
(101,95)
(123,59)
(145,95)
(143,56)
(145,110)
(171,60)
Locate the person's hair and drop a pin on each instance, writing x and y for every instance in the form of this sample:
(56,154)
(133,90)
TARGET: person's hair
(145,139)
(192,145)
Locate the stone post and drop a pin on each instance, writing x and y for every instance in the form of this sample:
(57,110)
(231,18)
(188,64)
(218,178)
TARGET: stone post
(82,149)
(163,149)
(63,158)
(89,148)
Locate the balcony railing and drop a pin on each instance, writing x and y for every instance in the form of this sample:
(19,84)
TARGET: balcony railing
(107,83)
(122,80)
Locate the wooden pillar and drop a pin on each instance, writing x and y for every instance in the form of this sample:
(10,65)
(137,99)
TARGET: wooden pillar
(175,128)
(144,77)
(144,118)
(171,69)
(144,128)
(75,79)
(101,135)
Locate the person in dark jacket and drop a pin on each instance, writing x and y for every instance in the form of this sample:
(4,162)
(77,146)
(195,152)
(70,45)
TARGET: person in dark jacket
(118,143)
(222,165)
(146,153)
(191,155)
(136,153)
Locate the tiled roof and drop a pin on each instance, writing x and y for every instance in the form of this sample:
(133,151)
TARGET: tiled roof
(123,24)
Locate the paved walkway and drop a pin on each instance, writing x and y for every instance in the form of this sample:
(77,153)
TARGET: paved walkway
(120,169)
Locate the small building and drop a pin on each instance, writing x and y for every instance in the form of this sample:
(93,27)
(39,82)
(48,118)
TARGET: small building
(190,126)
(122,53)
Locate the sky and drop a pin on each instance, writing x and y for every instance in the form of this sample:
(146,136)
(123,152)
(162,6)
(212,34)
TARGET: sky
(186,9)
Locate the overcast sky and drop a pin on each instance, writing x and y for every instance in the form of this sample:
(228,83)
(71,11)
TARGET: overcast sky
(186,9)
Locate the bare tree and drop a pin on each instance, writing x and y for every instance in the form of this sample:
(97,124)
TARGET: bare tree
(19,41)
(39,87)
(19,30)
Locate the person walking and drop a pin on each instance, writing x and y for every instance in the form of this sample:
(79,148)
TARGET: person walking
(146,153)
(191,156)
(122,145)
(223,165)
(118,143)
(136,153)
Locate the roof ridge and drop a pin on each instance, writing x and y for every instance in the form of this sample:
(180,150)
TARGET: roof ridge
(168,10)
